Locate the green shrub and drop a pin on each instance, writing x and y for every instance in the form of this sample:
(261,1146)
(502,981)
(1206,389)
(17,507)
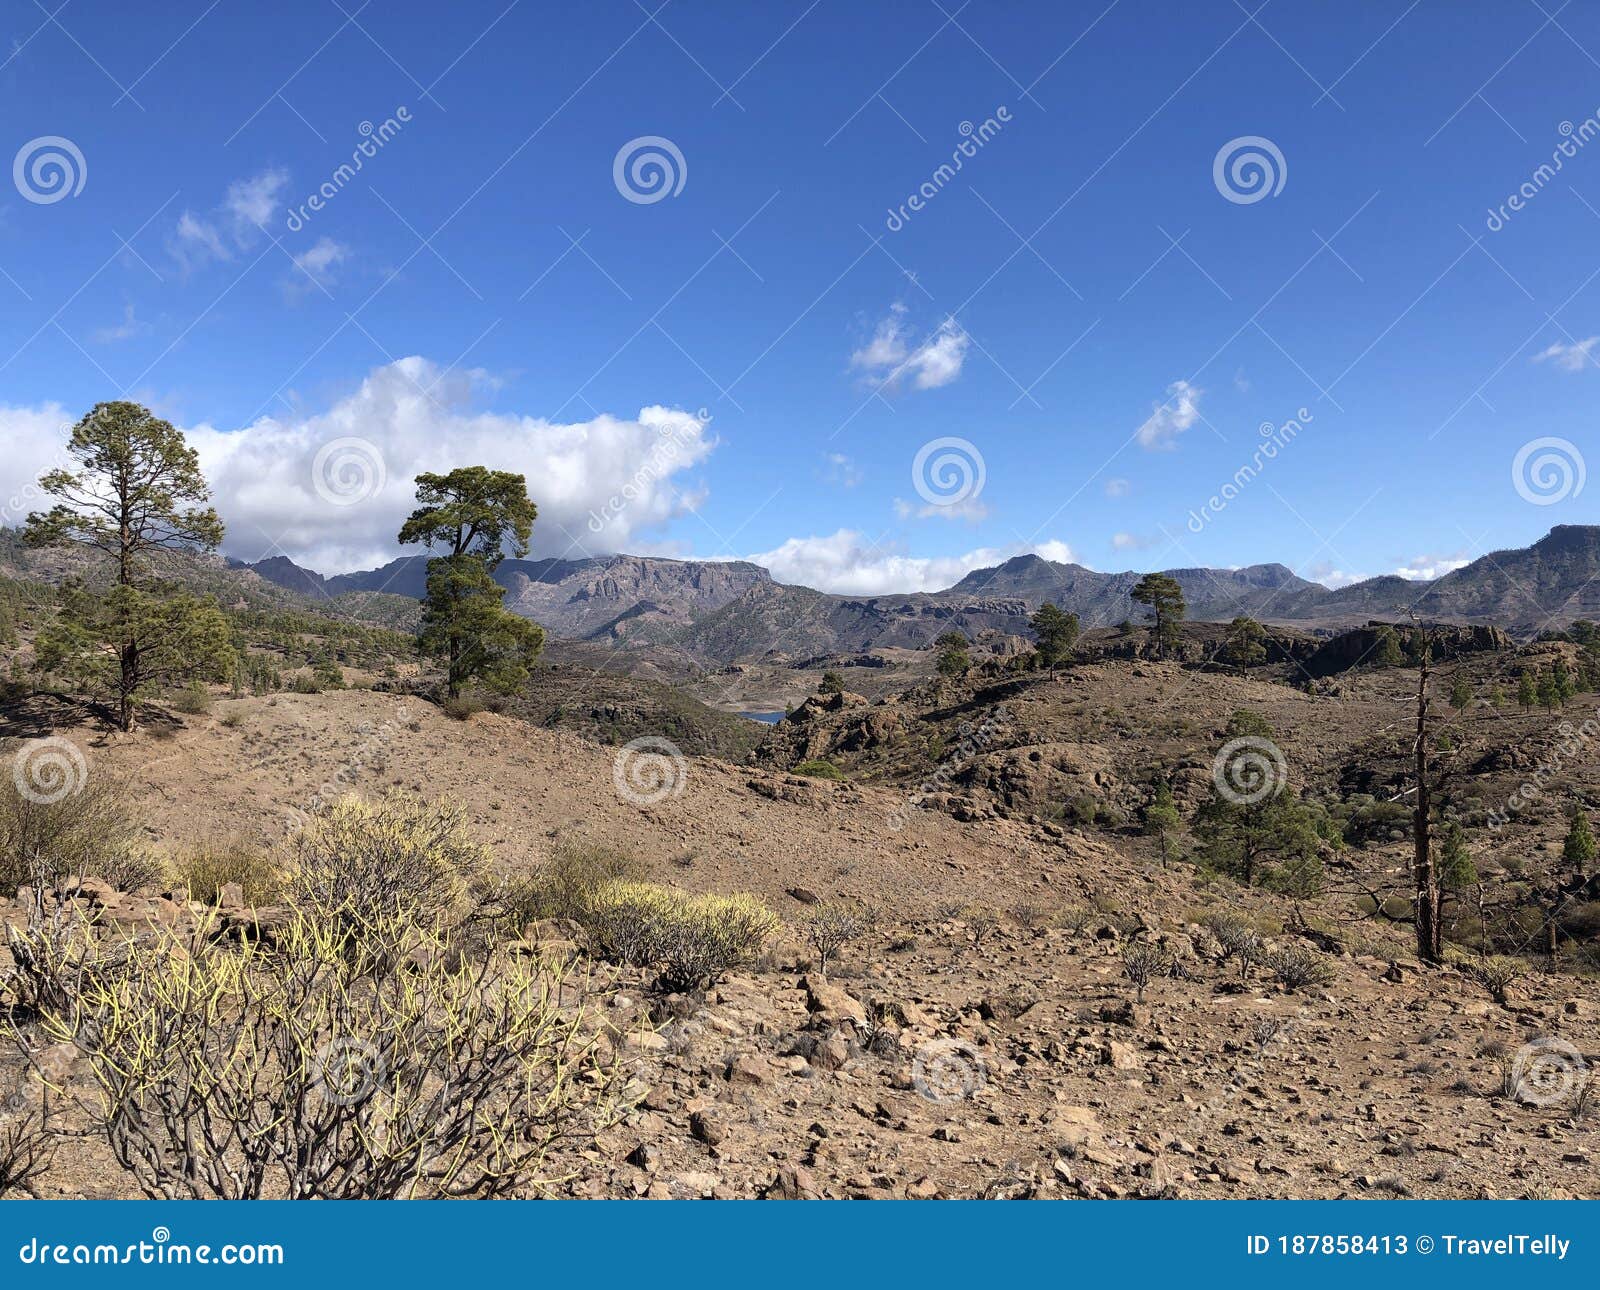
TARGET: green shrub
(194,700)
(694,940)
(461,706)
(206,870)
(360,864)
(819,768)
(564,886)
(91,831)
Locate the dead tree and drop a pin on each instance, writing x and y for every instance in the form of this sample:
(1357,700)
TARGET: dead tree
(1430,944)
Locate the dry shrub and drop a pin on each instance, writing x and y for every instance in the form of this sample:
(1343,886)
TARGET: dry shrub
(91,832)
(345,1063)
(365,864)
(830,925)
(1142,962)
(206,870)
(564,886)
(1497,974)
(27,1139)
(694,940)
(1297,966)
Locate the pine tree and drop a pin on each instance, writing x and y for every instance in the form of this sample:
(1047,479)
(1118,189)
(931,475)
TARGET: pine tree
(1549,691)
(1387,652)
(1527,690)
(1456,871)
(1057,633)
(1579,848)
(474,515)
(1161,818)
(832,683)
(133,494)
(1247,643)
(1167,608)
(1460,692)
(953,657)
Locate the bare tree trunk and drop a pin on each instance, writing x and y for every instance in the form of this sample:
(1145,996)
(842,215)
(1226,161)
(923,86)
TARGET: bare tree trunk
(1430,947)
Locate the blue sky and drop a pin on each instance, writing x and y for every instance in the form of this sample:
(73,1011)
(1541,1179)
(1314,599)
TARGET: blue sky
(1082,305)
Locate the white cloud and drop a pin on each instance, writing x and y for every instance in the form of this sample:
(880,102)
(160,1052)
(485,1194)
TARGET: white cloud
(35,440)
(1117,487)
(251,202)
(1570,358)
(970,509)
(889,357)
(1333,578)
(849,564)
(316,266)
(623,473)
(247,207)
(1425,568)
(842,470)
(127,329)
(1170,419)
(1129,542)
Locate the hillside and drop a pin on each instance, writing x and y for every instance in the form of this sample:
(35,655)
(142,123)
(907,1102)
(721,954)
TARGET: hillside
(716,612)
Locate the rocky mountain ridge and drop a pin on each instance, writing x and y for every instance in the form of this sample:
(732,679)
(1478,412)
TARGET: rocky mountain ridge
(734,610)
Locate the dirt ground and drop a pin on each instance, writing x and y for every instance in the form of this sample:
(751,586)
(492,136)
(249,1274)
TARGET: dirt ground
(983,1040)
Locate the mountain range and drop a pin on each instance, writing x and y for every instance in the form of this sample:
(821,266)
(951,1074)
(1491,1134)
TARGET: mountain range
(736,611)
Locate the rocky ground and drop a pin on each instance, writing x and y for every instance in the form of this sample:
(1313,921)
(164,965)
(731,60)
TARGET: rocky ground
(982,1041)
